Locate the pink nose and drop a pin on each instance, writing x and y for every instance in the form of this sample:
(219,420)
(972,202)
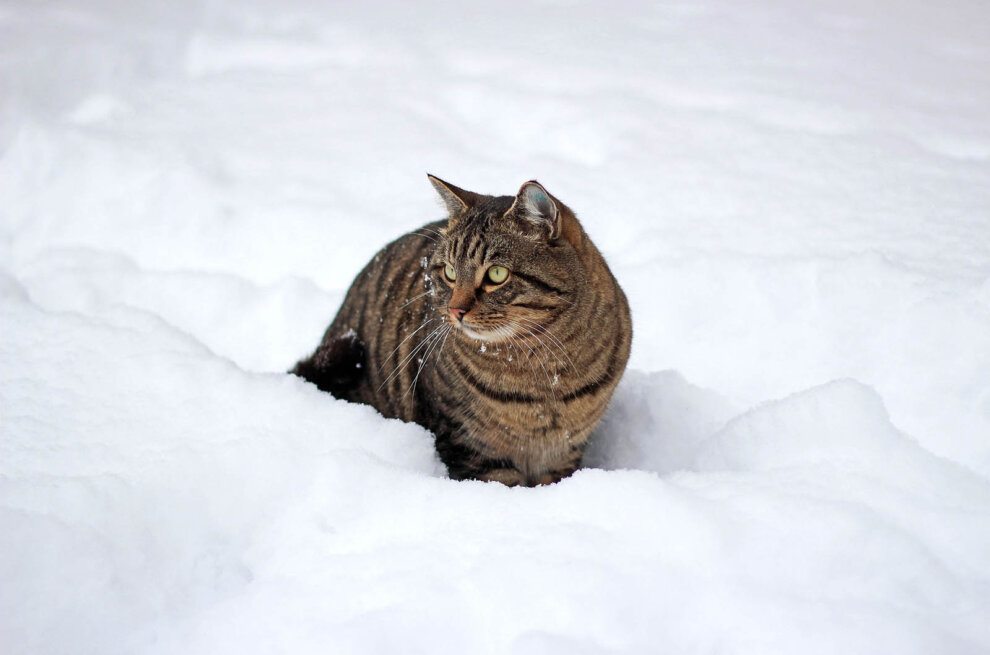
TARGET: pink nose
(457,312)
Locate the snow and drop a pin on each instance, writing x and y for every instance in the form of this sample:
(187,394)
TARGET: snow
(795,199)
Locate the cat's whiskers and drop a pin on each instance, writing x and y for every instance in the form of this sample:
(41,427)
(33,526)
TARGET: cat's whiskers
(443,345)
(519,343)
(542,363)
(544,330)
(435,231)
(410,336)
(536,337)
(551,347)
(415,298)
(440,339)
(408,358)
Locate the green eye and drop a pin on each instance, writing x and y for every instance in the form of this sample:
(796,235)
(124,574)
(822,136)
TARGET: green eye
(449,272)
(497,274)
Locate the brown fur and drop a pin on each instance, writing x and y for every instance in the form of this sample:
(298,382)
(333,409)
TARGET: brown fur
(514,388)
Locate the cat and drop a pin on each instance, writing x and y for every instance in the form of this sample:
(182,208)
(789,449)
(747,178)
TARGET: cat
(500,329)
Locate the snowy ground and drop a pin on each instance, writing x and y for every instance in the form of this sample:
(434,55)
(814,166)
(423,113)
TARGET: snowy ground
(795,198)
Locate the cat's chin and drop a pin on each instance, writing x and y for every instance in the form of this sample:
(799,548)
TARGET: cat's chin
(489,336)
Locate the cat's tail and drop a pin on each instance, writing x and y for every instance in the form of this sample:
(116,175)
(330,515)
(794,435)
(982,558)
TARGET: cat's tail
(337,366)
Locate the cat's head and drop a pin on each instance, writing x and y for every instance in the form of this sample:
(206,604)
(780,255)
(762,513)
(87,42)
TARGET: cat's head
(506,267)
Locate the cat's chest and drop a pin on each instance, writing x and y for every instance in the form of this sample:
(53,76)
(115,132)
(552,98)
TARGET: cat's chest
(530,381)
(513,395)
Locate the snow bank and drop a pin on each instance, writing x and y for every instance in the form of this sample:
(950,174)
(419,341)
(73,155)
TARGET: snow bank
(794,199)
(138,467)
(210,509)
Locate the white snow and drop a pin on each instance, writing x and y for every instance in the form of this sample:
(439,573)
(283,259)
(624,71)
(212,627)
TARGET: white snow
(796,198)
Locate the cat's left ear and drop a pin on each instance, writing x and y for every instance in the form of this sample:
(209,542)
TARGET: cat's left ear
(456,200)
(538,207)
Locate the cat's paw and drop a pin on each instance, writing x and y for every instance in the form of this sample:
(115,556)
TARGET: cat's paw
(507,476)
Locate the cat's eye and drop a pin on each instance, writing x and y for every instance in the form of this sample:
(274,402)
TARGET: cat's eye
(449,272)
(497,274)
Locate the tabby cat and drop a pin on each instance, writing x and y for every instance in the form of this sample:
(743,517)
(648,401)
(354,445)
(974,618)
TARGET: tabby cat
(500,329)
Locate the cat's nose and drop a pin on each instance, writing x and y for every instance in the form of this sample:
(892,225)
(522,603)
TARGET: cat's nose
(457,312)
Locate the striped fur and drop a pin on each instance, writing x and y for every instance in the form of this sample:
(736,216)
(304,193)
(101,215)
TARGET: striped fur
(513,388)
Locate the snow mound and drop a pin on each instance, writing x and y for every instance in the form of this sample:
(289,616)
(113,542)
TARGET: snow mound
(149,464)
(656,422)
(843,421)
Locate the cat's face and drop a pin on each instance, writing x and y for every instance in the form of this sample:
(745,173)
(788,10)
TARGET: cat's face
(501,271)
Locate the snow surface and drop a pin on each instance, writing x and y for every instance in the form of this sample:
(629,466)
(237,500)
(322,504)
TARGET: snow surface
(795,198)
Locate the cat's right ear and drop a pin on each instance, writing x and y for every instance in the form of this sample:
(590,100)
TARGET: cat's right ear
(455,199)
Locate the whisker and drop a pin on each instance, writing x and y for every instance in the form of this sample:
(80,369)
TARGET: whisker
(433,231)
(417,297)
(543,366)
(540,342)
(443,345)
(439,338)
(408,358)
(520,344)
(553,337)
(425,323)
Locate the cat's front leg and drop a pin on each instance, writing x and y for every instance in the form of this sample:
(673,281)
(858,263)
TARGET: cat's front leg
(551,477)
(507,476)
(512,477)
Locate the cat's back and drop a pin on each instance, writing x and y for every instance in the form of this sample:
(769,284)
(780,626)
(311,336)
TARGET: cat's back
(385,317)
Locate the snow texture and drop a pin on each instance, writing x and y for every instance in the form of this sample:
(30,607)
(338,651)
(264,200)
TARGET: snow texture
(795,196)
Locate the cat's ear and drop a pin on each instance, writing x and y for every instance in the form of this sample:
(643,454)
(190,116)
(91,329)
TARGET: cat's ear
(455,199)
(535,205)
